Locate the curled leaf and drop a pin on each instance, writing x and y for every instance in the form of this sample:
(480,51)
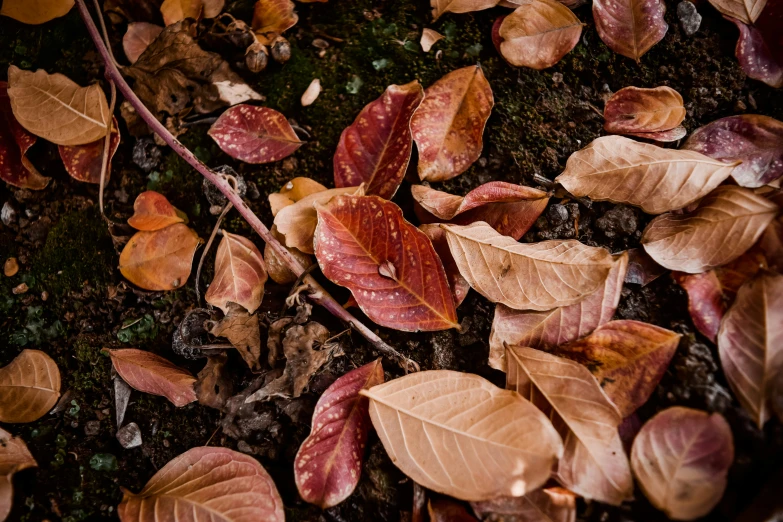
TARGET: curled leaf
(160,260)
(35,12)
(242,331)
(150,373)
(296,189)
(759,48)
(15,141)
(272,18)
(138,37)
(29,387)
(459,6)
(254,134)
(14,456)
(542,505)
(646,113)
(240,274)
(459,286)
(630,27)
(429,38)
(152,211)
(746,11)
(84,162)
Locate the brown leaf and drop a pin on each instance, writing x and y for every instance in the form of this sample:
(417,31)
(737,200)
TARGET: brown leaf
(617,169)
(152,211)
(137,38)
(508,208)
(160,260)
(390,266)
(122,11)
(150,373)
(174,11)
(759,49)
(429,38)
(771,244)
(243,332)
(444,509)
(594,464)
(630,27)
(536,276)
(542,505)
(642,269)
(55,108)
(646,113)
(35,12)
(206,483)
(84,162)
(212,8)
(548,329)
(240,274)
(213,386)
(681,458)
(746,11)
(277,269)
(459,6)
(29,387)
(376,148)
(459,286)
(296,189)
(329,461)
(538,34)
(272,18)
(750,343)
(448,125)
(725,225)
(254,134)
(460,435)
(14,456)
(15,141)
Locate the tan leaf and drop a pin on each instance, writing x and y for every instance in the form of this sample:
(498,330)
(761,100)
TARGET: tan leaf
(538,34)
(150,373)
(206,483)
(278,270)
(746,11)
(242,331)
(29,387)
(542,505)
(272,18)
(160,260)
(14,456)
(152,211)
(293,191)
(725,224)
(214,387)
(35,12)
(535,276)
(55,108)
(458,434)
(594,464)
(621,170)
(459,6)
(644,112)
(174,11)
(137,38)
(212,8)
(240,274)
(448,125)
(429,38)
(630,27)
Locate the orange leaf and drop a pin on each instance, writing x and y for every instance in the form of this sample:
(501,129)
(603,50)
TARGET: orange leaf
(152,211)
(175,10)
(159,260)
(84,162)
(150,373)
(14,456)
(272,18)
(646,113)
(29,387)
(240,274)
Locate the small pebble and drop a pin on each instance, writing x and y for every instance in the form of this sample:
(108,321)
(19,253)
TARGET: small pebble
(690,19)
(44,295)
(11,267)
(146,155)
(129,436)
(20,289)
(320,43)
(8,213)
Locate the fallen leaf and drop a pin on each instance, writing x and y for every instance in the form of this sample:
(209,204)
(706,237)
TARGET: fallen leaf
(376,148)
(642,269)
(655,114)
(621,170)
(746,11)
(429,38)
(55,108)
(725,224)
(277,269)
(160,260)
(535,276)
(122,393)
(254,134)
(243,332)
(750,343)
(364,244)
(15,141)
(212,8)
(628,358)
(550,328)
(448,125)
(272,18)
(84,162)
(296,189)
(240,274)
(630,27)
(137,38)
(459,286)
(150,373)
(681,458)
(460,435)
(329,461)
(311,93)
(771,244)
(213,386)
(538,34)
(459,6)
(542,505)
(152,211)
(174,11)
(594,464)
(35,12)
(444,509)
(759,49)
(14,456)
(206,483)
(508,208)
(29,387)
(754,139)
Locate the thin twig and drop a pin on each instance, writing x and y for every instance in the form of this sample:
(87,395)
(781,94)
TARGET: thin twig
(228,207)
(106,40)
(105,157)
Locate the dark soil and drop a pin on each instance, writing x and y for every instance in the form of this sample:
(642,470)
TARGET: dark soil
(78,303)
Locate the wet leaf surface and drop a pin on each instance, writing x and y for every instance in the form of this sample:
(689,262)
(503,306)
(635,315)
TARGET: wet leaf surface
(630,27)
(83,162)
(759,48)
(254,134)
(29,387)
(160,260)
(150,373)
(240,274)
(646,113)
(14,456)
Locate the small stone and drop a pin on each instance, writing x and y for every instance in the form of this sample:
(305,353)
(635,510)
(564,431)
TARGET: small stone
(557,78)
(129,436)
(44,295)
(146,155)
(11,267)
(556,215)
(690,19)
(320,43)
(20,289)
(166,443)
(739,106)
(92,428)
(8,213)
(103,462)
(620,221)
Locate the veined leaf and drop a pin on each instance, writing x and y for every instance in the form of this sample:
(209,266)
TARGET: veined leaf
(14,456)
(29,387)
(160,260)
(254,134)
(646,113)
(150,373)
(240,274)
(630,27)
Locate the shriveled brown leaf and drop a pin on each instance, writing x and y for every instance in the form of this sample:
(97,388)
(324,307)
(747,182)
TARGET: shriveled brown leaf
(459,286)
(138,37)
(14,456)
(646,113)
(459,6)
(240,274)
(160,260)
(213,386)
(29,387)
(429,38)
(243,332)
(630,27)
(152,211)
(296,189)
(552,504)
(174,11)
(150,373)
(277,269)
(35,12)
(272,18)
(746,11)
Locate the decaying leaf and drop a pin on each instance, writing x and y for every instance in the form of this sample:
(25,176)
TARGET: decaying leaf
(460,435)
(160,260)
(390,266)
(628,358)
(448,125)
(152,211)
(14,456)
(759,49)
(174,11)
(376,148)
(243,332)
(754,139)
(329,462)
(594,464)
(29,387)
(459,286)
(725,224)
(550,328)
(254,134)
(150,373)
(630,27)
(538,34)
(622,170)
(459,6)
(55,108)
(138,37)
(206,483)
(681,458)
(750,343)
(535,276)
(15,168)
(654,114)
(272,18)
(35,12)
(277,269)
(213,386)
(84,162)
(746,11)
(240,274)
(429,38)
(542,505)
(296,189)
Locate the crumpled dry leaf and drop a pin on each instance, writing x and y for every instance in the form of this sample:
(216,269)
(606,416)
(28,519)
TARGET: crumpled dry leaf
(15,168)
(459,286)
(213,386)
(243,332)
(724,226)
(174,11)
(621,170)
(429,38)
(206,483)
(460,435)
(29,387)
(84,162)
(759,49)
(138,37)
(240,274)
(630,27)
(14,456)
(535,276)
(746,11)
(459,6)
(254,134)
(55,108)
(152,211)
(274,341)
(653,114)
(449,124)
(552,504)
(681,458)
(296,189)
(150,373)
(271,18)
(35,12)
(160,260)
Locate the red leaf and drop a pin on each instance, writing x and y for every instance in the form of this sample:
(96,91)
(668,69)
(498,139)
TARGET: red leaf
(459,286)
(254,134)
(15,141)
(150,373)
(240,274)
(390,266)
(508,208)
(152,211)
(138,36)
(329,462)
(83,162)
(630,27)
(376,148)
(760,46)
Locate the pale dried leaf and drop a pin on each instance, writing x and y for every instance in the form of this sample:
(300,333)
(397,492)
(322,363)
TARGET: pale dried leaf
(14,456)
(150,373)
(311,93)
(29,387)
(746,11)
(429,38)
(212,8)
(240,274)
(459,6)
